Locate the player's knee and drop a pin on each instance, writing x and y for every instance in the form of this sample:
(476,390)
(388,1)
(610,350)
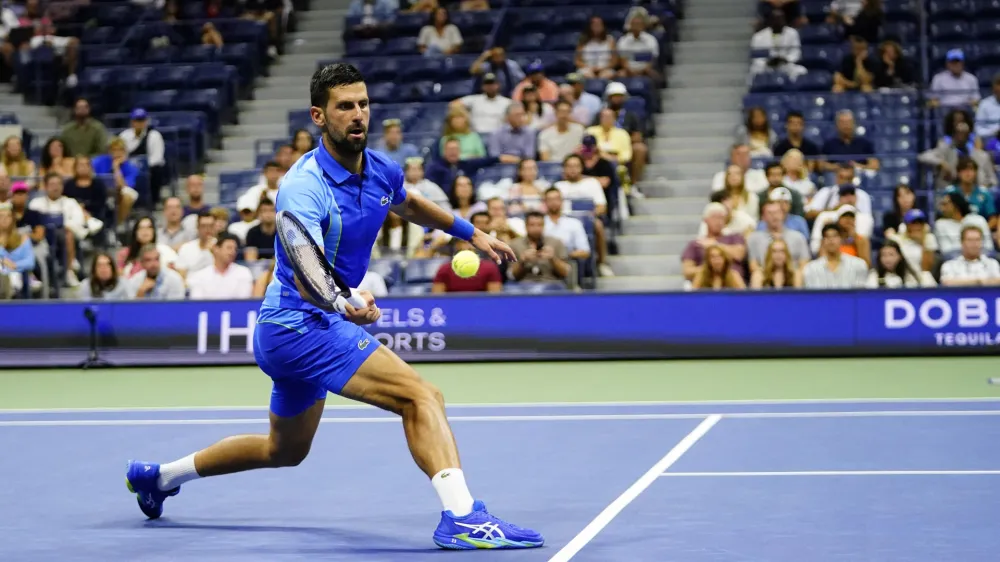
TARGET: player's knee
(425,395)
(289,455)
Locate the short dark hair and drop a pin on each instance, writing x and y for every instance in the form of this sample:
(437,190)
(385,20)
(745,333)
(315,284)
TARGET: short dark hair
(479,214)
(834,227)
(773,164)
(51,175)
(265,202)
(205,214)
(272,164)
(224,237)
(966,163)
(147,249)
(331,76)
(719,196)
(551,189)
(573,157)
(533,215)
(794,113)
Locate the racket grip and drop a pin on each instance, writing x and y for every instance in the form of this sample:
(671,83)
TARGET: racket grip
(357,301)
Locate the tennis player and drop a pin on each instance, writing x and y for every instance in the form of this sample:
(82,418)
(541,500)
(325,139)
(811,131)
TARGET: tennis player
(342,192)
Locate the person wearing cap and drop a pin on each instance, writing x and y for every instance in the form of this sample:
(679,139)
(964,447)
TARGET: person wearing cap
(955,216)
(988,113)
(916,241)
(548,90)
(615,96)
(494,61)
(783,197)
(488,109)
(775,174)
(774,227)
(857,68)
(84,135)
(776,48)
(585,104)
(953,86)
(980,200)
(971,268)
(248,219)
(847,201)
(514,138)
(833,269)
(392,142)
(143,140)
(951,152)
(561,139)
(639,51)
(25,217)
(595,51)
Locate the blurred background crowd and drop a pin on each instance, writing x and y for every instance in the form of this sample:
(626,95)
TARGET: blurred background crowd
(617,145)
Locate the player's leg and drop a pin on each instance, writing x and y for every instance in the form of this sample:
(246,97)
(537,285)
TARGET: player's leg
(386,381)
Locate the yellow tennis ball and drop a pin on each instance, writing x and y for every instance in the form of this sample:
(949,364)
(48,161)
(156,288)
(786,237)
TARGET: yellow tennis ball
(465,263)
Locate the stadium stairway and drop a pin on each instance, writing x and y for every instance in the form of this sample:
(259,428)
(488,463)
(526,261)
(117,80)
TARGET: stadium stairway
(701,110)
(286,88)
(41,120)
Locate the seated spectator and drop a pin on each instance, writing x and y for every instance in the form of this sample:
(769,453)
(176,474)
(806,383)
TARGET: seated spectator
(443,171)
(733,245)
(980,201)
(89,191)
(143,233)
(54,159)
(829,198)
(540,258)
(548,90)
(797,174)
(528,190)
(143,140)
(903,201)
(248,220)
(638,51)
(757,133)
(173,233)
(124,173)
(16,162)
(785,199)
(568,230)
(392,143)
(791,9)
(959,150)
(154,282)
(895,70)
(225,279)
(372,12)
(954,87)
(222,219)
(558,141)
(487,278)
(854,244)
(737,221)
(303,142)
(269,13)
(414,181)
(595,52)
(955,216)
(538,114)
(285,157)
(857,68)
(456,127)
(84,135)
(65,48)
(462,197)
(501,226)
(76,225)
(194,186)
(575,185)
(795,126)
(374,284)
(857,17)
(260,239)
(846,144)
(777,48)
(506,72)
(616,94)
(747,201)
(514,138)
(717,272)
(754,179)
(28,220)
(439,37)
(613,141)
(988,113)
(266,189)
(488,110)
(777,270)
(891,270)
(759,242)
(197,253)
(833,269)
(17,258)
(104,282)
(863,222)
(918,245)
(585,104)
(971,267)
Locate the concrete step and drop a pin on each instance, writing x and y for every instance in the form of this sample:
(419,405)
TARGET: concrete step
(636,283)
(683,80)
(663,145)
(681,224)
(677,188)
(711,129)
(252,131)
(690,156)
(727,68)
(316,35)
(688,24)
(693,103)
(700,11)
(728,116)
(652,265)
(708,44)
(331,47)
(290,95)
(296,65)
(649,244)
(234,159)
(672,171)
(263,113)
(669,206)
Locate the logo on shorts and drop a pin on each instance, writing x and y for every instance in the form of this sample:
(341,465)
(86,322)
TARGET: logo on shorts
(363,344)
(385,200)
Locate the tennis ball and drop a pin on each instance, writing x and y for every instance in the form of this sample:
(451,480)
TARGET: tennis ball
(465,263)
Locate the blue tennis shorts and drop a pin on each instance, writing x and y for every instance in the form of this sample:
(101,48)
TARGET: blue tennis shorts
(306,354)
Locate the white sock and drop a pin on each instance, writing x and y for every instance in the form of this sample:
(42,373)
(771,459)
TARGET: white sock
(173,474)
(450,487)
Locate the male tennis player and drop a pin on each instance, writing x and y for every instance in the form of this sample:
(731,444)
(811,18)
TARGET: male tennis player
(342,193)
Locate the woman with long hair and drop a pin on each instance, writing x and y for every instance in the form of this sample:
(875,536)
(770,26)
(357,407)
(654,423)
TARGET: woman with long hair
(596,56)
(54,159)
(756,132)
(777,271)
(717,272)
(17,256)
(16,162)
(463,198)
(302,142)
(903,201)
(892,271)
(439,37)
(143,233)
(457,126)
(746,201)
(538,114)
(528,190)
(797,173)
(104,282)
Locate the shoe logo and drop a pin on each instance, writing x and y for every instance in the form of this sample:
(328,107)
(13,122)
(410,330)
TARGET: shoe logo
(489,531)
(363,344)
(385,200)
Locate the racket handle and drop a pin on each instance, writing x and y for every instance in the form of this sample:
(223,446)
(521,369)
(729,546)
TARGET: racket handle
(357,301)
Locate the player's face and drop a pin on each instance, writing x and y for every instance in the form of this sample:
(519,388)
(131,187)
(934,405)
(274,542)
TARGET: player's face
(344,120)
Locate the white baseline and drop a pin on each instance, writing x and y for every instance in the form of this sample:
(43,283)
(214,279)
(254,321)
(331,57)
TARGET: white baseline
(834,473)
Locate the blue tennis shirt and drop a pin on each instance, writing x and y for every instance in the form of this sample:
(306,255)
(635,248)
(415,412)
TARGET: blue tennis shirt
(343,213)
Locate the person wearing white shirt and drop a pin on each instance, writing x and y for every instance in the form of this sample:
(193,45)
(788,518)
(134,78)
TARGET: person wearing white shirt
(488,110)
(155,282)
(225,279)
(75,221)
(754,180)
(955,217)
(575,185)
(971,268)
(558,141)
(832,197)
(268,187)
(143,140)
(777,48)
(374,284)
(440,36)
(248,220)
(639,51)
(988,113)
(197,254)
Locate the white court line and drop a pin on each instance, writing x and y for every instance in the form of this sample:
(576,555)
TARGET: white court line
(516,418)
(626,403)
(621,502)
(835,473)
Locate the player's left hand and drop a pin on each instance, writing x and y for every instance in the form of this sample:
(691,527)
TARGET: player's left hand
(495,249)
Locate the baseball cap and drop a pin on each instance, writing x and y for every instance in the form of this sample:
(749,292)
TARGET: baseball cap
(139,114)
(589,141)
(780,194)
(955,54)
(847,210)
(616,89)
(489,77)
(534,67)
(848,189)
(19,186)
(914,215)
(574,78)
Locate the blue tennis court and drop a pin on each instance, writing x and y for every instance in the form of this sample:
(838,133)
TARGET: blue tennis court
(913,481)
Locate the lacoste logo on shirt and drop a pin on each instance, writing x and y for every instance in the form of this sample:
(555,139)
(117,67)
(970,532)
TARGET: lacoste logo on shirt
(363,344)
(385,200)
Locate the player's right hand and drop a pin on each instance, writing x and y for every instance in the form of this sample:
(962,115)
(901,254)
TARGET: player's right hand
(363,316)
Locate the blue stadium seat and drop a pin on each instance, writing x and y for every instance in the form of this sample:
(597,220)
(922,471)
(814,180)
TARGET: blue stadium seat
(475,23)
(408,24)
(399,46)
(197,53)
(904,31)
(453,90)
(819,34)
(950,31)
(208,100)
(100,36)
(154,100)
(770,82)
(939,10)
(533,20)
(905,10)
(894,146)
(526,42)
(384,68)
(815,81)
(613,16)
(495,173)
(135,78)
(987,53)
(415,91)
(362,48)
(221,76)
(582,205)
(233,184)
(421,68)
(103,56)
(550,170)
(381,92)
(388,268)
(410,290)
(571,20)
(986,74)
(986,8)
(169,77)
(562,41)
(422,271)
(821,57)
(161,55)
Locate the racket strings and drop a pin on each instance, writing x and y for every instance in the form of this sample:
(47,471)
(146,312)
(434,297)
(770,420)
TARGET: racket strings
(314,267)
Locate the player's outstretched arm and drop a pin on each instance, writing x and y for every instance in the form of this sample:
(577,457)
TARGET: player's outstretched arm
(420,210)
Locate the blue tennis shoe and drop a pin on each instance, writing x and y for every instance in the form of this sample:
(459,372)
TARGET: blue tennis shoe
(141,479)
(481,529)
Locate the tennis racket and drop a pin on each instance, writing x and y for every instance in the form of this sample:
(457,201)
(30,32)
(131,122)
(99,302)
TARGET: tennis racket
(311,267)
